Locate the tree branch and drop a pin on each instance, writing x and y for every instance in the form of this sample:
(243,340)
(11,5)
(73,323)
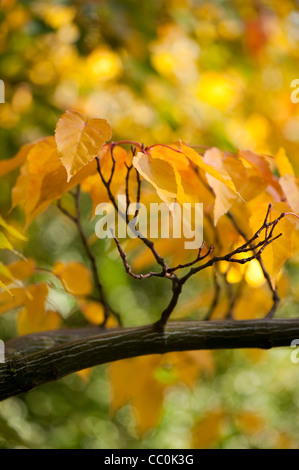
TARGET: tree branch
(72,352)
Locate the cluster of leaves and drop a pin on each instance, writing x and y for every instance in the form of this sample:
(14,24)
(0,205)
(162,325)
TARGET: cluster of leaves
(233,189)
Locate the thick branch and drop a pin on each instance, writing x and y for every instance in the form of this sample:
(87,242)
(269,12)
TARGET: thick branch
(20,374)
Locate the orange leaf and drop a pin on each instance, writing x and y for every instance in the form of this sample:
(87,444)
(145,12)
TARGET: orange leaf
(208,430)
(6,166)
(75,277)
(34,317)
(145,389)
(43,178)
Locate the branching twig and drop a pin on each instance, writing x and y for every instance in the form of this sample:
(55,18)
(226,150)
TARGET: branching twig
(273,289)
(77,220)
(196,260)
(169,272)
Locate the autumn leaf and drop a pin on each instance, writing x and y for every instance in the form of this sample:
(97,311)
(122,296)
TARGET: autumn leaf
(159,173)
(145,390)
(78,140)
(5,273)
(4,243)
(43,178)
(283,164)
(13,299)
(94,313)
(22,269)
(11,230)
(250,422)
(276,254)
(75,277)
(209,163)
(189,186)
(93,184)
(34,317)
(208,430)
(290,187)
(5,288)
(6,166)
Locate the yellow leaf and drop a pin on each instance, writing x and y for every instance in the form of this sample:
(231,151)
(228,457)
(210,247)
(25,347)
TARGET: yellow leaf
(4,243)
(8,302)
(5,272)
(6,166)
(224,197)
(84,374)
(10,229)
(43,321)
(41,160)
(75,277)
(283,164)
(22,269)
(189,186)
(212,166)
(93,312)
(93,184)
(250,423)
(208,430)
(290,188)
(43,178)
(159,173)
(145,389)
(5,288)
(172,155)
(142,389)
(275,255)
(254,274)
(79,141)
(34,317)
(259,305)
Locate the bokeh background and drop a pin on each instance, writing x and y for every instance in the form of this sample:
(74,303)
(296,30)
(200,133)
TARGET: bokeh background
(210,73)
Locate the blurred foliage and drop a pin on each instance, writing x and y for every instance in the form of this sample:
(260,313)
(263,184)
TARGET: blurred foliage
(212,74)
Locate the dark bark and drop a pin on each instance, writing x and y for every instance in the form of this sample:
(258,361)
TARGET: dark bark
(39,358)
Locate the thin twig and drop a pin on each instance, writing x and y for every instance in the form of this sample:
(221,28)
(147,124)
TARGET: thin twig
(77,220)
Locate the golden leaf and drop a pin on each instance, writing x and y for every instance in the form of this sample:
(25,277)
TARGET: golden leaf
(275,255)
(159,173)
(79,141)
(34,317)
(208,430)
(283,164)
(75,277)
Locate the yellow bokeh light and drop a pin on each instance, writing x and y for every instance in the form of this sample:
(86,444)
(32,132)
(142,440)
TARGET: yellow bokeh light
(42,73)
(8,117)
(218,90)
(22,98)
(235,274)
(104,64)
(252,133)
(254,274)
(58,15)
